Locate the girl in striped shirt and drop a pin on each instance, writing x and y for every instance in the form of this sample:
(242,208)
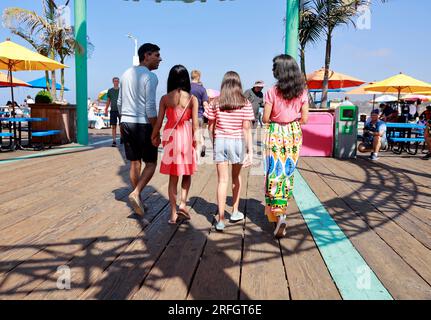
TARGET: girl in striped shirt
(230,119)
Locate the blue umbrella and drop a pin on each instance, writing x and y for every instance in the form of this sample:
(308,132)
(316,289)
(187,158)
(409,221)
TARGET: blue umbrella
(41,84)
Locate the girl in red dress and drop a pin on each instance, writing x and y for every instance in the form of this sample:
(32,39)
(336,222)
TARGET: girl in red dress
(178,138)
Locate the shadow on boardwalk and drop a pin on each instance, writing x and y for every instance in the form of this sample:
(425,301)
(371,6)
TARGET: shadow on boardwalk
(121,267)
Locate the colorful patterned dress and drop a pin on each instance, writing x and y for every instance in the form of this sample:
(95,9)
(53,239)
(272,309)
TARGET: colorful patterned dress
(282,147)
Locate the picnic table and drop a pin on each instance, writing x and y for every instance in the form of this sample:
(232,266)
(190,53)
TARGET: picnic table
(16,123)
(405,137)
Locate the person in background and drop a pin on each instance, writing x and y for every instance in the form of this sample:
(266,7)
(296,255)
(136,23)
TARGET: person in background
(414,110)
(428,140)
(113,113)
(374,137)
(347,102)
(388,113)
(29,100)
(286,109)
(426,115)
(255,96)
(138,110)
(199,91)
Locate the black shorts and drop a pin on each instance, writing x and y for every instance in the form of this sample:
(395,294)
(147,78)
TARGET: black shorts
(137,142)
(114,118)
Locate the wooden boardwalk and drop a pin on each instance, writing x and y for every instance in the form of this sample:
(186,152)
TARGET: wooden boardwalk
(70,210)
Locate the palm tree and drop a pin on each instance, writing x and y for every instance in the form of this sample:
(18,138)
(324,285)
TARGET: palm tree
(44,34)
(333,14)
(310,31)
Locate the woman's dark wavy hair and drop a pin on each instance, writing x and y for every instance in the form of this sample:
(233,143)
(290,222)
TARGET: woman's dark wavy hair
(291,83)
(179,79)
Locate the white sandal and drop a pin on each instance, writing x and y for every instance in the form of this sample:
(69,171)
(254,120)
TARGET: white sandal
(280,229)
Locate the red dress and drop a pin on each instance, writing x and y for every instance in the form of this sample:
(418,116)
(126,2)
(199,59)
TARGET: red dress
(179,156)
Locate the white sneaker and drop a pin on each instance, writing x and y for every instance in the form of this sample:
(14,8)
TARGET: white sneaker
(280,229)
(236,216)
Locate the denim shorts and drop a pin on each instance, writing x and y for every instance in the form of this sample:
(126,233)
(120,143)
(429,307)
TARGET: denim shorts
(231,150)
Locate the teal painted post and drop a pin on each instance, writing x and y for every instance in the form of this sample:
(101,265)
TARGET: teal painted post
(292,28)
(81,71)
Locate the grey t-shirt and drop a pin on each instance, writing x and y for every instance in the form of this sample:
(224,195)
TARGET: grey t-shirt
(256,100)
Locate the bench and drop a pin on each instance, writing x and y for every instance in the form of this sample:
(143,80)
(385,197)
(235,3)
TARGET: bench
(405,137)
(418,140)
(47,133)
(6,135)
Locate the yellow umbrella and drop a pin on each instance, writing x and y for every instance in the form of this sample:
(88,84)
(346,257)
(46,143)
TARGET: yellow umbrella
(361,91)
(14,57)
(425,93)
(5,81)
(400,83)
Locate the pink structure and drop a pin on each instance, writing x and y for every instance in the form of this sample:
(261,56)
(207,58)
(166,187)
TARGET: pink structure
(318,135)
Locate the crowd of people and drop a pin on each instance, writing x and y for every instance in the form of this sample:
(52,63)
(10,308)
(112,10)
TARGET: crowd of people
(186,110)
(17,109)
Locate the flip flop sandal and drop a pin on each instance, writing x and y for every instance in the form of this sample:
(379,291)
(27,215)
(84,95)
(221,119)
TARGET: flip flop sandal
(183,214)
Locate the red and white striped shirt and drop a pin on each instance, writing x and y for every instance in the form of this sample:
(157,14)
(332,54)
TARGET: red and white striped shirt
(229,123)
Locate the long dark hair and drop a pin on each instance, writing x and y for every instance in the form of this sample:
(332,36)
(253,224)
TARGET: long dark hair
(179,79)
(291,82)
(231,93)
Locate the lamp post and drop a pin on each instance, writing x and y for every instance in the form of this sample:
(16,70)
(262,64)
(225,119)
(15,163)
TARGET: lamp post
(135,57)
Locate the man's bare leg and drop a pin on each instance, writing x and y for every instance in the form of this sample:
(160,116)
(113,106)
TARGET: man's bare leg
(114,134)
(135,172)
(145,177)
(363,149)
(140,184)
(377,144)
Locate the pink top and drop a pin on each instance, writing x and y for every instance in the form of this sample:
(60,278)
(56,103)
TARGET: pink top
(285,111)
(229,123)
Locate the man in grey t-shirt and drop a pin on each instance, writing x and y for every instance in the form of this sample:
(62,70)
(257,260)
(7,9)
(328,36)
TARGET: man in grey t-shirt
(113,103)
(137,107)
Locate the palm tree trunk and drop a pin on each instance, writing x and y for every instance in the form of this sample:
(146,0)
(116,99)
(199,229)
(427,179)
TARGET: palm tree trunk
(327,65)
(302,56)
(48,85)
(54,82)
(62,81)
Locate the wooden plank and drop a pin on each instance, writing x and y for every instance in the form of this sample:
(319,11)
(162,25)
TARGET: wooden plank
(394,189)
(365,197)
(57,224)
(173,272)
(263,276)
(218,274)
(340,255)
(86,234)
(47,197)
(413,252)
(396,275)
(307,273)
(125,275)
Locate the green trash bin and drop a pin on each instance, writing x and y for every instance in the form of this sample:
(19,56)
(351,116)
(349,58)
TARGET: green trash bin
(346,132)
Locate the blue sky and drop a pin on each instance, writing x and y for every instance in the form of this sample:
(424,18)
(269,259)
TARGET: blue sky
(240,35)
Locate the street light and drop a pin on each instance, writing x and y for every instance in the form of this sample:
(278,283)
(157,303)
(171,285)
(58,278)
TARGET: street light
(135,57)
